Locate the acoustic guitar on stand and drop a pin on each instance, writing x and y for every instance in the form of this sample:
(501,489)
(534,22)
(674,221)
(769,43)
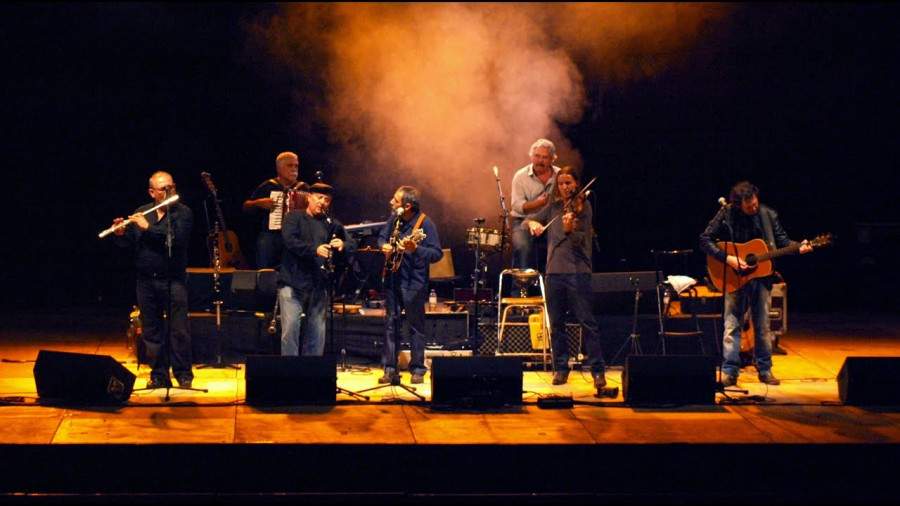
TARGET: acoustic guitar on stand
(226,240)
(758,258)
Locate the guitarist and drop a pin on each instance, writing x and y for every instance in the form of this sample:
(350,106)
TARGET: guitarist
(406,272)
(267,204)
(743,220)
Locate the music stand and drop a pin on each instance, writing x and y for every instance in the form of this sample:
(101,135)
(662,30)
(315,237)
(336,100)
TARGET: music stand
(633,338)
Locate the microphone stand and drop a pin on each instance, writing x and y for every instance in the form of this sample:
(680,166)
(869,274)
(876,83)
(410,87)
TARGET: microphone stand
(720,387)
(167,334)
(395,302)
(504,218)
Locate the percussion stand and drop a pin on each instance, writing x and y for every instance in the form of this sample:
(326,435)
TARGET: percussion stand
(167,325)
(479,260)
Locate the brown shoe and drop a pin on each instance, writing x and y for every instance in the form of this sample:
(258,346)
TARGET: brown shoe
(729,380)
(768,378)
(599,380)
(560,377)
(389,378)
(417,378)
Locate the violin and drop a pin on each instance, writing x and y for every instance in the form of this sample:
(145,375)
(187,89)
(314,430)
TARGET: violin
(576,204)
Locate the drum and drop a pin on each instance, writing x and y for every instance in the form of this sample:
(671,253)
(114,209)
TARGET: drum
(485,238)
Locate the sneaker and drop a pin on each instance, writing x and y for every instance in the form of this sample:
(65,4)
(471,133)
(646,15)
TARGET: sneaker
(388,378)
(417,378)
(768,378)
(599,380)
(729,380)
(185,382)
(560,377)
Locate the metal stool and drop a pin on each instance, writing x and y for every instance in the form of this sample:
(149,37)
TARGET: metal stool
(504,304)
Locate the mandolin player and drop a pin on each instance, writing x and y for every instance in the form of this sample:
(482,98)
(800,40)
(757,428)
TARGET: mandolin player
(410,243)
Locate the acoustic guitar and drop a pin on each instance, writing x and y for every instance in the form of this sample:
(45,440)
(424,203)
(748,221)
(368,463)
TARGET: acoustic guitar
(758,258)
(225,240)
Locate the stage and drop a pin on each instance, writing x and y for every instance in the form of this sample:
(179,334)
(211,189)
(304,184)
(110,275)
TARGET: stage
(796,442)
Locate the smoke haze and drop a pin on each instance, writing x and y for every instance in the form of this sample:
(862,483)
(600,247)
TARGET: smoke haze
(437,94)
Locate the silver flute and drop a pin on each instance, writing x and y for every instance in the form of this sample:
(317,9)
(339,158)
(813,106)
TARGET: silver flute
(113,228)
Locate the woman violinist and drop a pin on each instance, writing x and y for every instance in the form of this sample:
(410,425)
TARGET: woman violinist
(568,275)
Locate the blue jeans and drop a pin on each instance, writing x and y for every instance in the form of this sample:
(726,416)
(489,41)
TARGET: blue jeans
(413,301)
(572,292)
(151,299)
(292,302)
(755,294)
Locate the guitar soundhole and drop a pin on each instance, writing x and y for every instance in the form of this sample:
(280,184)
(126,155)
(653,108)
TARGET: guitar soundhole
(751,260)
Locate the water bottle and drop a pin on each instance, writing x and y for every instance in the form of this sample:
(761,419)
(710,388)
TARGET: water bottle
(432,300)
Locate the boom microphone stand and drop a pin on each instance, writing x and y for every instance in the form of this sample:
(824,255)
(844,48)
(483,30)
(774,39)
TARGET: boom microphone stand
(328,271)
(396,303)
(720,387)
(167,334)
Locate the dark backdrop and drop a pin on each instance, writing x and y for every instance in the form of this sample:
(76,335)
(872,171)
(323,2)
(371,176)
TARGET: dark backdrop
(802,99)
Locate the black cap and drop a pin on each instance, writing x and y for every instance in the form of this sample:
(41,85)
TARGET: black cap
(321,188)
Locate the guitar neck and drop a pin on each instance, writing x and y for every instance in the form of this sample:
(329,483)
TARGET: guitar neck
(778,252)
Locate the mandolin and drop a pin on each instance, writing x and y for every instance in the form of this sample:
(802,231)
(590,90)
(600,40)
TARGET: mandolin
(396,257)
(225,240)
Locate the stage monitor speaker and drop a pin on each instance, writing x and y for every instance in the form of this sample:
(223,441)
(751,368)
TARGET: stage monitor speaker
(476,382)
(870,381)
(82,378)
(284,380)
(672,379)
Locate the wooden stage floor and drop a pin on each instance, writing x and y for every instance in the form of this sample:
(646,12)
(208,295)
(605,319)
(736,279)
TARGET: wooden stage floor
(793,443)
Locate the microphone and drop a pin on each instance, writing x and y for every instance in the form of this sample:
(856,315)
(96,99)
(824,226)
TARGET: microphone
(319,175)
(399,211)
(496,173)
(722,201)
